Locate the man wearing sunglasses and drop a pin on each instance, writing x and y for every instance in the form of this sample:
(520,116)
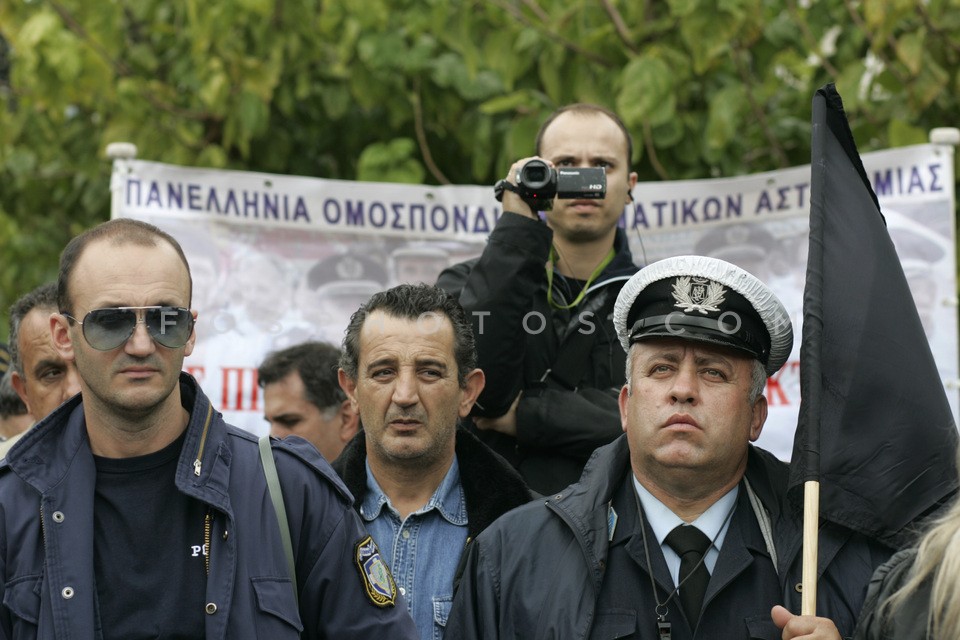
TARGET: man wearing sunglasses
(133,510)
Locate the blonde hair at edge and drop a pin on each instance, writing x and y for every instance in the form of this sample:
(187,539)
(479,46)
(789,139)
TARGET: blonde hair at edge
(938,556)
(757,384)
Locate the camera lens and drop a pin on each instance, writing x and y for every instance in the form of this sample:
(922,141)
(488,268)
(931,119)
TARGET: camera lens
(535,174)
(537,184)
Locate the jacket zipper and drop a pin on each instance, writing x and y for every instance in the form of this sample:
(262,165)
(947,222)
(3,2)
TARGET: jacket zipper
(197,464)
(43,529)
(207,527)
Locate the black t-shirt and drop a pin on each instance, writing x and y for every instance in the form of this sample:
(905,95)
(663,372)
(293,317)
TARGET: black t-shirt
(148,549)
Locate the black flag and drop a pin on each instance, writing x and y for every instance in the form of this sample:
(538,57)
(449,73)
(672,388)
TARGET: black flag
(875,426)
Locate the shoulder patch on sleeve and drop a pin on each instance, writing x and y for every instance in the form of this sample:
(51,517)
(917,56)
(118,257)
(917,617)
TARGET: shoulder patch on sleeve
(377,580)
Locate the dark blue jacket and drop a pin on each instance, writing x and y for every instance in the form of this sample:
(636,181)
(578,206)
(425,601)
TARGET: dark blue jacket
(548,570)
(46,536)
(909,620)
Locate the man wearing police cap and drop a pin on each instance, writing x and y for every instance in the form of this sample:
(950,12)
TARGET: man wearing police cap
(682,498)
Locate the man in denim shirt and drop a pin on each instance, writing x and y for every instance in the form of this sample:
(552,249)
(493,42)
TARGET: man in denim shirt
(424,487)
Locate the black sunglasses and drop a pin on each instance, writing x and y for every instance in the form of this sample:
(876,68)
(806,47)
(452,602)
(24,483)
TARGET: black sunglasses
(106,329)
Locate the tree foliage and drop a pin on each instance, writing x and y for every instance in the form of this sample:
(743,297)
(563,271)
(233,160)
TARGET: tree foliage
(435,91)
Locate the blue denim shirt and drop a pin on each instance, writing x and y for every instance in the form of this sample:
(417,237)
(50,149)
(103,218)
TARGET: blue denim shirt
(423,550)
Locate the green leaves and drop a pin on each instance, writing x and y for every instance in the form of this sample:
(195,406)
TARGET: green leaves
(725,117)
(909,48)
(391,162)
(647,94)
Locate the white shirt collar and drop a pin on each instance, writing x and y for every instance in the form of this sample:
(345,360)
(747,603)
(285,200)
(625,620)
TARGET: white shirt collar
(662,520)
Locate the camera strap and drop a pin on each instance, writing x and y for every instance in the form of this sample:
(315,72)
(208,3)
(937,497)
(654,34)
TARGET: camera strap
(575,344)
(593,276)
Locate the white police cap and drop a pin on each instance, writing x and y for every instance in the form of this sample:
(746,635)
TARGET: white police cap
(706,300)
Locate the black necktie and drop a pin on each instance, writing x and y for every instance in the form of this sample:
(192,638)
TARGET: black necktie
(690,544)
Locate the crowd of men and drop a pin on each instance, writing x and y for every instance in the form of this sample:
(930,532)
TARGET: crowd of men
(439,481)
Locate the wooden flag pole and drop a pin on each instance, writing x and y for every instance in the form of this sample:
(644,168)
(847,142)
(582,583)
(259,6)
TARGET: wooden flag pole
(811,526)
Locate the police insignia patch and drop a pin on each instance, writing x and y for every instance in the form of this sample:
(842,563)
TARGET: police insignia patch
(377,579)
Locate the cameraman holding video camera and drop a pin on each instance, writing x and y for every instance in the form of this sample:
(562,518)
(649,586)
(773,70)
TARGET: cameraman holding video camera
(541,297)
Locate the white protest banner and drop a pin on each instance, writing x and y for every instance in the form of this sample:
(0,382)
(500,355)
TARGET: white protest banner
(281,259)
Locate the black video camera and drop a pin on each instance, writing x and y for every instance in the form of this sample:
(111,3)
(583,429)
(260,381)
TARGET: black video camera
(538,184)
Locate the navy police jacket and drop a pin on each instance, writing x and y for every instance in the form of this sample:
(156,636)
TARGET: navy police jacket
(563,568)
(46,536)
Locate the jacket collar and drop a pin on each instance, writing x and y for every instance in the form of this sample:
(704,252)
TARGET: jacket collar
(584,506)
(607,468)
(42,457)
(622,263)
(491,487)
(602,476)
(46,453)
(609,464)
(768,477)
(204,467)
